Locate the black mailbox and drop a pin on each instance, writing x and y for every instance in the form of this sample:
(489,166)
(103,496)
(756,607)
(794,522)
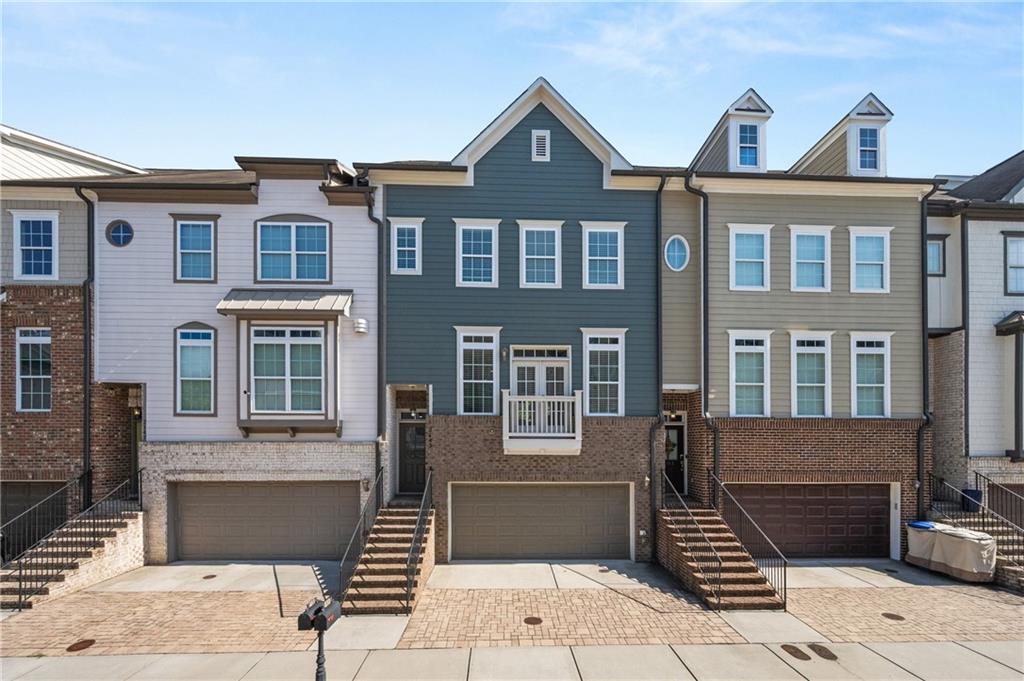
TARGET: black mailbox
(319,616)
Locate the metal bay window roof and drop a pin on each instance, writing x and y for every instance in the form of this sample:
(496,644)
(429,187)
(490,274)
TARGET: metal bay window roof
(290,303)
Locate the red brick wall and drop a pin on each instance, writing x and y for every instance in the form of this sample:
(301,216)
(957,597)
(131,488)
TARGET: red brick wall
(470,449)
(411,399)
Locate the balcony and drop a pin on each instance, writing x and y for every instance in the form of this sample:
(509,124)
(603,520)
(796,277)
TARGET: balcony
(533,424)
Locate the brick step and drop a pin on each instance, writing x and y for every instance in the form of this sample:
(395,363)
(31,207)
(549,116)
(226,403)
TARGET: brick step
(732,590)
(358,593)
(389,537)
(72,542)
(398,513)
(14,591)
(394,525)
(13,605)
(372,580)
(751,603)
(36,554)
(375,607)
(36,567)
(12,576)
(734,577)
(730,544)
(84,532)
(391,569)
(710,535)
(727,557)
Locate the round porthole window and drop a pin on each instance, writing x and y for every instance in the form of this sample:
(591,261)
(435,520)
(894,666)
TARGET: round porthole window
(120,233)
(677,253)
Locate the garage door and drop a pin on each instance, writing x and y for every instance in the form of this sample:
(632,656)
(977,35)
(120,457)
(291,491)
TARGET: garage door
(264,520)
(811,521)
(540,521)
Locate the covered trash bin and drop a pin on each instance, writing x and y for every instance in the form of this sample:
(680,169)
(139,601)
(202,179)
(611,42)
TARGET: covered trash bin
(955,551)
(971,500)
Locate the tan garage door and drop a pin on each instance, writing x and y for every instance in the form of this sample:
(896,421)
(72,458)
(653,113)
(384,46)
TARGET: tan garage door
(264,520)
(815,521)
(540,521)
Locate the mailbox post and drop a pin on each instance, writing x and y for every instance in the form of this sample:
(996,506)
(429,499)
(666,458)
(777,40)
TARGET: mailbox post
(319,616)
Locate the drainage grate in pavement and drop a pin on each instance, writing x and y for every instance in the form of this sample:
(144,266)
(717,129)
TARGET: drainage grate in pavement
(209,576)
(822,652)
(893,616)
(533,620)
(80,645)
(796,652)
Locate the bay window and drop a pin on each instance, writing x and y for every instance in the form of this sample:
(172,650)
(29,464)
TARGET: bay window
(287,370)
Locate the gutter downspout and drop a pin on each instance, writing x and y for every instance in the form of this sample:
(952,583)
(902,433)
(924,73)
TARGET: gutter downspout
(381,331)
(705,335)
(965,317)
(659,350)
(87,348)
(925,358)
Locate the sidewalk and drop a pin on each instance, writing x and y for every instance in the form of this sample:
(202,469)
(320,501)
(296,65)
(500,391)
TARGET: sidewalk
(945,661)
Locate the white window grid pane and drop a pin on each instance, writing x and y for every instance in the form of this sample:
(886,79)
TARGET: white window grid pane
(195,371)
(750,257)
(477,379)
(603,253)
(477,254)
(750,370)
(405,248)
(603,377)
(540,251)
(34,370)
(870,376)
(293,251)
(288,370)
(36,246)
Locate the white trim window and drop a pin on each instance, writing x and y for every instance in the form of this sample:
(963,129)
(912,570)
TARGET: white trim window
(540,370)
(604,372)
(869,147)
(810,267)
(195,375)
(195,256)
(750,373)
(677,253)
(477,369)
(406,245)
(869,259)
(540,145)
(811,373)
(1014,257)
(476,252)
(289,251)
(870,393)
(287,369)
(748,146)
(603,254)
(750,257)
(35,370)
(36,238)
(540,254)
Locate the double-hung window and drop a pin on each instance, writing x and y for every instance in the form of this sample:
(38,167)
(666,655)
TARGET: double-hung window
(35,244)
(749,373)
(194,375)
(748,134)
(540,254)
(810,258)
(476,252)
(750,257)
(811,373)
(1014,247)
(478,369)
(604,371)
(195,256)
(293,250)
(406,245)
(869,259)
(867,148)
(287,370)
(34,380)
(603,254)
(869,369)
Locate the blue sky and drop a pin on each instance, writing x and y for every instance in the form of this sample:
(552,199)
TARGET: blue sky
(192,85)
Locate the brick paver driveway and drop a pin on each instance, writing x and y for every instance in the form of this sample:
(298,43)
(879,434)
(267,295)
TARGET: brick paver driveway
(165,609)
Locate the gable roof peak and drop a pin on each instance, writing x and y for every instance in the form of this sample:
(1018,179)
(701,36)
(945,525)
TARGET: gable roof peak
(871,107)
(750,103)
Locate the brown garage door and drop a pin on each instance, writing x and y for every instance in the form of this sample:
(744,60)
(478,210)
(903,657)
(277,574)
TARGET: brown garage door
(540,521)
(264,520)
(811,521)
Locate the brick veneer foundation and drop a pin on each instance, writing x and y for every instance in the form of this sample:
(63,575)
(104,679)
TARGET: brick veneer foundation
(470,449)
(947,399)
(170,462)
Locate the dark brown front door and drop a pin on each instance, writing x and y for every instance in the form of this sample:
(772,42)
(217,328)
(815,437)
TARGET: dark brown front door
(412,456)
(675,457)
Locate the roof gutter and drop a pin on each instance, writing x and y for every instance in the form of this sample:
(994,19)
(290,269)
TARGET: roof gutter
(87,347)
(925,358)
(655,479)
(705,318)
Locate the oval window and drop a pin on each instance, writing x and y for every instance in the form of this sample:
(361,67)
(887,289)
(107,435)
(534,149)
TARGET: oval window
(120,233)
(677,253)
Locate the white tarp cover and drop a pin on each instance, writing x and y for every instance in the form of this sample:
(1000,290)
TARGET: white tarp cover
(964,554)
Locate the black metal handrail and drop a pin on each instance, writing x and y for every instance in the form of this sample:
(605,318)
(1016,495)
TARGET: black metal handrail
(22,531)
(367,517)
(413,560)
(709,562)
(1000,498)
(75,539)
(971,512)
(765,554)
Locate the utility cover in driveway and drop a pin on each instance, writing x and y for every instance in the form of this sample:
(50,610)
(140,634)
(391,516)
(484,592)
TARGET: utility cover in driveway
(540,521)
(819,521)
(264,520)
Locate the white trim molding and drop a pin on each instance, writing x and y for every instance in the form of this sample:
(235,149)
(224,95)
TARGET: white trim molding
(495,346)
(825,338)
(862,231)
(407,223)
(619,228)
(853,149)
(764,336)
(491,224)
(810,230)
(54,217)
(762,230)
(686,245)
(540,226)
(885,338)
(602,332)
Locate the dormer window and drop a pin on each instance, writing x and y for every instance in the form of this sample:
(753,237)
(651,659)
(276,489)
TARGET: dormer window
(867,150)
(541,145)
(748,145)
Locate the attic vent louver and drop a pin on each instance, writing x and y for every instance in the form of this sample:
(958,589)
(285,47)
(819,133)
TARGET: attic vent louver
(541,145)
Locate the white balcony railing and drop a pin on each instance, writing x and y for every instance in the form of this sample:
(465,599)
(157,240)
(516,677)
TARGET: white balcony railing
(542,423)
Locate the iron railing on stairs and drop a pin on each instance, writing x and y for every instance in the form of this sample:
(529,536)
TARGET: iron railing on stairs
(28,527)
(765,554)
(1000,498)
(413,560)
(709,562)
(64,547)
(357,542)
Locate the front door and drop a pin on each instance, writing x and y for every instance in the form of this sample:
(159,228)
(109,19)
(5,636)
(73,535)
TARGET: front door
(412,453)
(675,456)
